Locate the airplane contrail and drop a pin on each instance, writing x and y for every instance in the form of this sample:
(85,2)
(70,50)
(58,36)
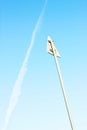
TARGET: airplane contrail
(18,84)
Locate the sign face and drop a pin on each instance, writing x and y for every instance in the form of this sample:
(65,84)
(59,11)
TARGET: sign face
(51,47)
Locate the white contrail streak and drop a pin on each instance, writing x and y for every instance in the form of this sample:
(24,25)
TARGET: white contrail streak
(18,84)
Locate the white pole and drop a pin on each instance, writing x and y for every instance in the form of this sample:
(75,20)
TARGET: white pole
(63,89)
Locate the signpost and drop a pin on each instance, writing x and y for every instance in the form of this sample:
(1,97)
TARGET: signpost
(53,51)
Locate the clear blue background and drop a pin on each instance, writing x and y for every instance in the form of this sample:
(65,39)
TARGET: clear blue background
(41,105)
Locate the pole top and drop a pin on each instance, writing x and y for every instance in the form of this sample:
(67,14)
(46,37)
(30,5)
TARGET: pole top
(51,47)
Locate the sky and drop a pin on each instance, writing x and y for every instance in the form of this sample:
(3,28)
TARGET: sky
(41,105)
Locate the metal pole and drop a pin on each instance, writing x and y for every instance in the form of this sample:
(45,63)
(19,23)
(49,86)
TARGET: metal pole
(63,89)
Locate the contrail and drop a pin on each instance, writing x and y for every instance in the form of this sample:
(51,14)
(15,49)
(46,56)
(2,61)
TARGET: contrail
(18,84)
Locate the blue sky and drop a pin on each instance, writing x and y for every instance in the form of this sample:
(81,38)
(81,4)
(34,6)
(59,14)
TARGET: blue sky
(41,105)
